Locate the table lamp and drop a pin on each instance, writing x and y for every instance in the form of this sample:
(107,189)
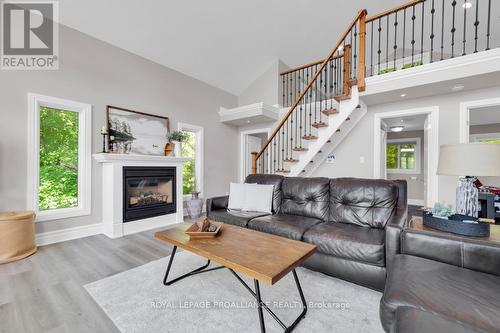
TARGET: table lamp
(468,161)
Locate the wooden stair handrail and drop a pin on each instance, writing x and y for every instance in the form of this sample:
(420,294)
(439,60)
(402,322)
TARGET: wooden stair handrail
(288,71)
(360,14)
(367,20)
(394,10)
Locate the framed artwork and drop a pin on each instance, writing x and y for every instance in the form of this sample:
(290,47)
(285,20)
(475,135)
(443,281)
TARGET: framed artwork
(134,132)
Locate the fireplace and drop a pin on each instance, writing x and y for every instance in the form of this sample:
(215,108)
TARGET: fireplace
(148,192)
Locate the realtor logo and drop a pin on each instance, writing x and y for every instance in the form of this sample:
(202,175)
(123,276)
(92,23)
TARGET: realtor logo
(29,35)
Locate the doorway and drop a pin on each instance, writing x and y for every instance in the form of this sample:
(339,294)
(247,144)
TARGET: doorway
(251,141)
(406,147)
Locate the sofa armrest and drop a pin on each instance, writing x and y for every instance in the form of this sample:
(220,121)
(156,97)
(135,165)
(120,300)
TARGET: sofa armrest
(478,255)
(217,203)
(396,224)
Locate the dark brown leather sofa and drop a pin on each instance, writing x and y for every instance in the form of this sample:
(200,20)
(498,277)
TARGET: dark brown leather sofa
(356,223)
(442,284)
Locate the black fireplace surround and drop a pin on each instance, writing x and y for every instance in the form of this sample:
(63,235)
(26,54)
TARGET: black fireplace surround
(148,192)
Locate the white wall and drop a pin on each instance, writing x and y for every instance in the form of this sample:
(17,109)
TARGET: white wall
(359,143)
(265,88)
(95,72)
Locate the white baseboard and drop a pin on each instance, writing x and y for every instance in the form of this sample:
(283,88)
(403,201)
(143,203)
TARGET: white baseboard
(416,202)
(57,236)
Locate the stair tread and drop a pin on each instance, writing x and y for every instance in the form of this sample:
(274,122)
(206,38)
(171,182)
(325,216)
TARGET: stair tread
(340,98)
(299,149)
(310,137)
(329,112)
(319,124)
(282,171)
(291,160)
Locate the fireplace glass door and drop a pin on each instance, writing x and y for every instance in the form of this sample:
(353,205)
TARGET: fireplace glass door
(147,192)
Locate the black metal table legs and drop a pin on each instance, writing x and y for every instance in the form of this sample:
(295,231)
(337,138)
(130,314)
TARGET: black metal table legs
(260,304)
(199,270)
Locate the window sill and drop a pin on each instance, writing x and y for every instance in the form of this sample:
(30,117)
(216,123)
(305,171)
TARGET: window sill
(65,213)
(404,171)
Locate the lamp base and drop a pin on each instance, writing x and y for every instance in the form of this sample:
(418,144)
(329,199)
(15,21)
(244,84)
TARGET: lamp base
(467,197)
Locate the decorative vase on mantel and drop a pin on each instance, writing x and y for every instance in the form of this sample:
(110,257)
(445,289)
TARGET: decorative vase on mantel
(177,148)
(195,204)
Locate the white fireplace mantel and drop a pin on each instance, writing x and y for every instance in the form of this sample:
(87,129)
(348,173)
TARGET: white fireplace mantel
(112,192)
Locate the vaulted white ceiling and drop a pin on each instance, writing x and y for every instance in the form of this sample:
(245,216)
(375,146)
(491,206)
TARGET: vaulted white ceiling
(225,43)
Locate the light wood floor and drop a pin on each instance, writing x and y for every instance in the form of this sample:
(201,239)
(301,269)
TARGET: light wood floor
(44,292)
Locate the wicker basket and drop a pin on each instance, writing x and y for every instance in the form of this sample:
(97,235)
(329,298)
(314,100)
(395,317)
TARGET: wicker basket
(17,235)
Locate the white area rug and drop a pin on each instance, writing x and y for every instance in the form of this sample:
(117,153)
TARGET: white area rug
(137,301)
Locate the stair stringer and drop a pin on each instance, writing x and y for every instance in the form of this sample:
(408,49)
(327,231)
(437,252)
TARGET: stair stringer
(345,109)
(337,139)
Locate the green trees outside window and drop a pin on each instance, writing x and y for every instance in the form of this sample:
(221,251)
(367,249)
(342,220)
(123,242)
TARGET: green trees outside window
(189,169)
(400,156)
(58,186)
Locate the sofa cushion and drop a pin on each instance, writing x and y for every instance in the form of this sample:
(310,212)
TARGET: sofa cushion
(289,226)
(306,197)
(234,217)
(348,241)
(365,202)
(411,320)
(275,180)
(462,294)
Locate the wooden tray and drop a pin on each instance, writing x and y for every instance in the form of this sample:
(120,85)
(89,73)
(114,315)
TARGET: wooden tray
(193,233)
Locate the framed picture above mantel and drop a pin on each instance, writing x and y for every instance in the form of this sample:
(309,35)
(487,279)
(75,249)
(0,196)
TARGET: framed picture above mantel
(134,132)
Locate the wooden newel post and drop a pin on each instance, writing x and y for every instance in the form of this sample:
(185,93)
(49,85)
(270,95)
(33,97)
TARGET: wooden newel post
(347,70)
(254,162)
(362,52)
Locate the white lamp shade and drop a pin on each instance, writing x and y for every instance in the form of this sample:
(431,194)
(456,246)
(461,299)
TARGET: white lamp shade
(470,159)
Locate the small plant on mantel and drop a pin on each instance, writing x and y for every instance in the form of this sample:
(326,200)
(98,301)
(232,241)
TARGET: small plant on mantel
(177,136)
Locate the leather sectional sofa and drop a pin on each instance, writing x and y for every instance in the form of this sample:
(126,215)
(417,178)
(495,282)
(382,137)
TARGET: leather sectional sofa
(443,284)
(355,223)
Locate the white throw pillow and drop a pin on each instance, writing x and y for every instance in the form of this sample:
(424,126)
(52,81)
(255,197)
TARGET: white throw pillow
(236,196)
(258,198)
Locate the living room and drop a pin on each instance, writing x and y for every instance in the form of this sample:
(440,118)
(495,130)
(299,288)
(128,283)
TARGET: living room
(284,141)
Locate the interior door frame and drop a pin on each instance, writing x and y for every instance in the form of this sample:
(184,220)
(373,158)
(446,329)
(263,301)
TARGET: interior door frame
(433,145)
(465,108)
(243,135)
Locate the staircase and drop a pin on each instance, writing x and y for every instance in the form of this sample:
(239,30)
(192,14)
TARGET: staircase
(323,97)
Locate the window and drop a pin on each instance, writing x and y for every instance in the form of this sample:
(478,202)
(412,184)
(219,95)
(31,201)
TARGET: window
(192,148)
(59,157)
(485,137)
(403,156)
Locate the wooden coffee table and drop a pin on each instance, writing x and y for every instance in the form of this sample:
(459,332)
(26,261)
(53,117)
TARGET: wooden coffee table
(263,257)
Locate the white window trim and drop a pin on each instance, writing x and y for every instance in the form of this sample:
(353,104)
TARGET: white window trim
(199,159)
(417,169)
(84,156)
(482,136)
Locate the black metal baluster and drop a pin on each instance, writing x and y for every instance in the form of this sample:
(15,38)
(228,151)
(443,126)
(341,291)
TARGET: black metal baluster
(283,90)
(355,56)
(488,34)
(404,35)
(325,71)
(371,53)
(442,32)
(413,37)
(335,66)
(453,4)
(331,83)
(476,26)
(291,90)
(464,41)
(379,41)
(422,36)
(274,154)
(350,43)
(395,37)
(315,85)
(433,11)
(387,46)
